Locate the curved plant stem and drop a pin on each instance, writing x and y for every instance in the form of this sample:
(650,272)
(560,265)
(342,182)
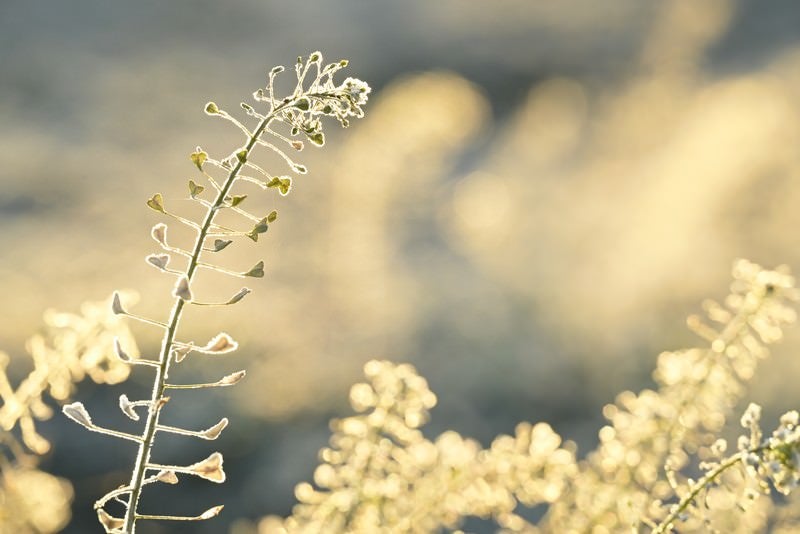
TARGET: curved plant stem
(666,525)
(159,384)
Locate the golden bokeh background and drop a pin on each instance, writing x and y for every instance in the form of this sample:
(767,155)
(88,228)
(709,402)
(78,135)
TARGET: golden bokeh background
(538,196)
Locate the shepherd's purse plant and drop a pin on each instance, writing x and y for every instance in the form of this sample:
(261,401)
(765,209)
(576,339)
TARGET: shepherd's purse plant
(284,125)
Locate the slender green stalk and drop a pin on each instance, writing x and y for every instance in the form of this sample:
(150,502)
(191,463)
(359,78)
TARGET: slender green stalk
(159,384)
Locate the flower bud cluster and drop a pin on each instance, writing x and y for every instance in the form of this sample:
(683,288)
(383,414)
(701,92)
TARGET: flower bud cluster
(323,97)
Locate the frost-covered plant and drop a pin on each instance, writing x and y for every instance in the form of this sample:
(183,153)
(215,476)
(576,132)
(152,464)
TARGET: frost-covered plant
(69,348)
(765,462)
(381,475)
(283,125)
(652,435)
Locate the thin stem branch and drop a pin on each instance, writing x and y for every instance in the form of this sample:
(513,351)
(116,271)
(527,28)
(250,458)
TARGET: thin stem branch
(667,524)
(111,495)
(160,383)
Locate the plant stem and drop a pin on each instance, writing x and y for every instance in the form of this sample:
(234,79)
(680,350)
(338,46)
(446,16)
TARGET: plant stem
(143,456)
(667,523)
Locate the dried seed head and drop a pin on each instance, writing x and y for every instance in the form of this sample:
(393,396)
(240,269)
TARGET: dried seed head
(239,296)
(283,183)
(232,379)
(77,412)
(110,523)
(210,468)
(195,189)
(317,139)
(220,344)
(181,352)
(121,354)
(127,407)
(198,157)
(220,244)
(212,512)
(167,477)
(159,233)
(159,261)
(257,271)
(182,289)
(116,305)
(214,431)
(160,403)
(156,202)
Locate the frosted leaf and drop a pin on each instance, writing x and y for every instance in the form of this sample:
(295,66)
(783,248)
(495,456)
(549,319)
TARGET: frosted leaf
(210,468)
(259,228)
(220,344)
(127,407)
(159,261)
(212,512)
(167,477)
(181,352)
(156,202)
(239,296)
(220,244)
(214,431)
(116,305)
(159,233)
(283,183)
(232,379)
(195,189)
(121,354)
(77,412)
(198,157)
(109,522)
(257,271)
(182,289)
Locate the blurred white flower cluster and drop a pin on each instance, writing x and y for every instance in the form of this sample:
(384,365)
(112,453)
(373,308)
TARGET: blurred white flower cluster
(380,474)
(71,347)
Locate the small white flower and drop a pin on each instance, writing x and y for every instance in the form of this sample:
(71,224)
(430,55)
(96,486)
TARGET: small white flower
(357,90)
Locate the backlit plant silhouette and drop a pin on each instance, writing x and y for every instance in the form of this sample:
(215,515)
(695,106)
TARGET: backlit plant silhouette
(285,125)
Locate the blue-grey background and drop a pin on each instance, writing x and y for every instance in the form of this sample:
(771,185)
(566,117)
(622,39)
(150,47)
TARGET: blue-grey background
(528,223)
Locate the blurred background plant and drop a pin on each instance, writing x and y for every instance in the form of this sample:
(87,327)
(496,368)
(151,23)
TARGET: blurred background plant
(542,208)
(70,347)
(380,474)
